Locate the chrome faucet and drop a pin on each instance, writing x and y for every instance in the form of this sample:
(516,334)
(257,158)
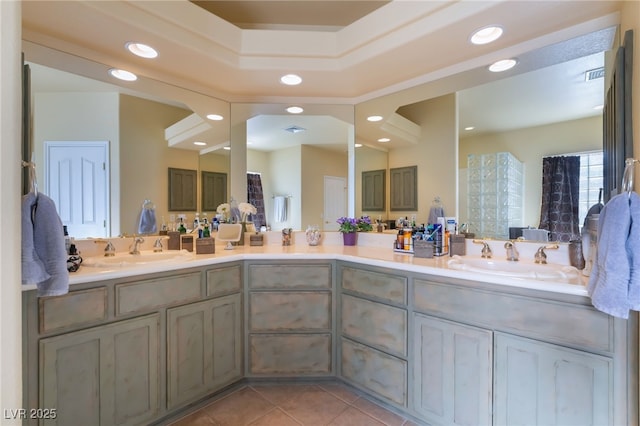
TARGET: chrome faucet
(157,246)
(512,252)
(486,250)
(134,247)
(541,257)
(109,249)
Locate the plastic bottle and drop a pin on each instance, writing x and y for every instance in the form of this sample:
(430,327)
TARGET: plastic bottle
(196,221)
(67,239)
(181,228)
(205,232)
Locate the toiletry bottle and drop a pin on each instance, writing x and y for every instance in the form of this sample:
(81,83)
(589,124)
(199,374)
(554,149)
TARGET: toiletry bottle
(400,240)
(206,233)
(67,239)
(181,228)
(196,221)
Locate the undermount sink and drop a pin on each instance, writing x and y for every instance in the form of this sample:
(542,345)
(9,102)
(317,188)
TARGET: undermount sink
(144,258)
(517,269)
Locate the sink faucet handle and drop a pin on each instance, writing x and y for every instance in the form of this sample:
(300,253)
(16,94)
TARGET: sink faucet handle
(540,256)
(157,246)
(486,250)
(109,249)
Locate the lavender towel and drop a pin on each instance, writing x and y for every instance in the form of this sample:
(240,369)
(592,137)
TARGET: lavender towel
(147,223)
(609,284)
(33,270)
(633,249)
(48,242)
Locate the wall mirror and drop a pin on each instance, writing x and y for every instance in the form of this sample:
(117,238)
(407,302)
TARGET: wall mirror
(301,158)
(426,123)
(132,118)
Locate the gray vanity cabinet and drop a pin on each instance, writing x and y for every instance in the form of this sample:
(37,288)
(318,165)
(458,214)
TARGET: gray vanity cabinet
(453,371)
(204,348)
(290,320)
(374,333)
(107,375)
(538,383)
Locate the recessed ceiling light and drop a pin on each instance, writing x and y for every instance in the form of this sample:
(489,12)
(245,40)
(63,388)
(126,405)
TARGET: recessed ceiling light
(291,79)
(486,34)
(200,143)
(123,75)
(469,128)
(374,118)
(503,65)
(598,107)
(384,140)
(215,117)
(228,148)
(295,110)
(358,145)
(142,50)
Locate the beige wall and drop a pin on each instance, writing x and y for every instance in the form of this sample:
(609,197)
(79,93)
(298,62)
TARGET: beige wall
(530,146)
(10,191)
(316,164)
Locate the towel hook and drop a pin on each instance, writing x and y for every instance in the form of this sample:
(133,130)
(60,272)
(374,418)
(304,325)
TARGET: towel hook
(627,179)
(33,181)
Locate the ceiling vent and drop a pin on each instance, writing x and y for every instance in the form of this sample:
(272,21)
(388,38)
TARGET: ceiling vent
(594,74)
(295,129)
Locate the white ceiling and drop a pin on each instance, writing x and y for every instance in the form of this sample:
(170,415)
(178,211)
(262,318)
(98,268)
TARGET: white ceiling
(371,58)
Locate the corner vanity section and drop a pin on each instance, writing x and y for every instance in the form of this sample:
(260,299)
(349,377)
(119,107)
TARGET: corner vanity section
(443,348)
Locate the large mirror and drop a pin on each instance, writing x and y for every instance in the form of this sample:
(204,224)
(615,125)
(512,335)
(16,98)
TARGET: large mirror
(301,160)
(542,107)
(141,130)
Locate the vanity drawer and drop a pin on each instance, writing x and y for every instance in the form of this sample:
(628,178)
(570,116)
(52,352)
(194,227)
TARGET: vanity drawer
(289,276)
(223,280)
(379,285)
(383,374)
(552,321)
(73,309)
(288,311)
(290,354)
(146,295)
(376,324)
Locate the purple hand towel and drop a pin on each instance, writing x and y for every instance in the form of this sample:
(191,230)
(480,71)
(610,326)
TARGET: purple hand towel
(633,251)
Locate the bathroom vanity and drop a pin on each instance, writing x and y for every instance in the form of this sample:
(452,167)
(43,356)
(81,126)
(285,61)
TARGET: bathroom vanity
(135,345)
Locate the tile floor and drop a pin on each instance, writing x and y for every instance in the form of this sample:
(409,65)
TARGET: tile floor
(278,404)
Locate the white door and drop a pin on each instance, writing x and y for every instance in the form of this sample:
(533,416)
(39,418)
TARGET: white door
(77,181)
(335,201)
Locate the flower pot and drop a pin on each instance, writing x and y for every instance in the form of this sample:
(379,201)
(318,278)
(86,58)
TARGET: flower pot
(350,238)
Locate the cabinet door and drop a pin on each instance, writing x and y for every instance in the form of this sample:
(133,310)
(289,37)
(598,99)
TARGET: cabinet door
(453,372)
(106,375)
(404,188)
(203,348)
(373,190)
(539,383)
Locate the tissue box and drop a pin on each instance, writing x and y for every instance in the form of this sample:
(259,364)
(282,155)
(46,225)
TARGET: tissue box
(256,240)
(186,242)
(205,245)
(174,240)
(422,248)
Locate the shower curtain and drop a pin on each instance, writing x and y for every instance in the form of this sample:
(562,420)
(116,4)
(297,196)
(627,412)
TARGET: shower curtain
(560,192)
(256,197)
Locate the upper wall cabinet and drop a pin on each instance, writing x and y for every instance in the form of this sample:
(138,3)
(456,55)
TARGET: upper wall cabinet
(182,190)
(214,190)
(404,188)
(373,190)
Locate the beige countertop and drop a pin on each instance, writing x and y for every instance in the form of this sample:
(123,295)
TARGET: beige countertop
(372,249)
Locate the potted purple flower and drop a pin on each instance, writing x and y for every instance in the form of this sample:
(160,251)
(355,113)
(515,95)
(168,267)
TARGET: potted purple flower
(350,226)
